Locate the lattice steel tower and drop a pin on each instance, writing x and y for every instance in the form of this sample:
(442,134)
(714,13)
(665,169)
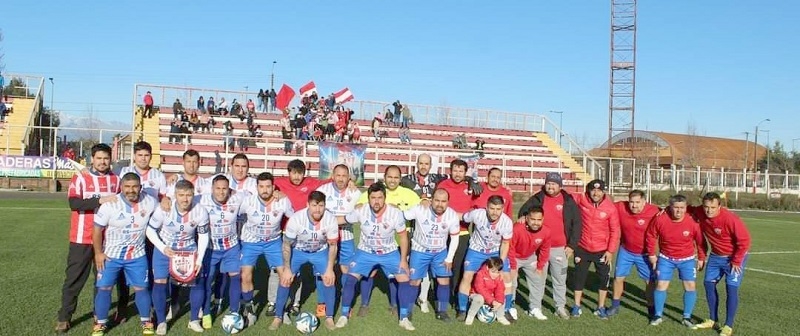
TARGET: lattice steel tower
(622,85)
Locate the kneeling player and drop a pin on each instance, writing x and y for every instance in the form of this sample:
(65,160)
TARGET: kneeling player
(434,224)
(118,238)
(311,237)
(183,228)
(490,238)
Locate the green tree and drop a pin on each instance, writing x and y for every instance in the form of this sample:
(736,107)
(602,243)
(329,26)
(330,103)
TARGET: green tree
(778,160)
(16,87)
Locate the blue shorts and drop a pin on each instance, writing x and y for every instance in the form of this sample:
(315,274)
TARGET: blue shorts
(318,260)
(364,262)
(420,263)
(719,266)
(686,269)
(160,265)
(225,261)
(135,272)
(474,260)
(626,259)
(272,251)
(347,249)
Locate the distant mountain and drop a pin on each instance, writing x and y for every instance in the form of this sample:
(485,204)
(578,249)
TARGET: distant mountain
(85,127)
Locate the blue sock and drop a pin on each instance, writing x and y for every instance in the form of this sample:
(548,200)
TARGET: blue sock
(366,290)
(405,298)
(392,293)
(689,299)
(712,297)
(196,296)
(235,292)
(102,303)
(509,301)
(329,295)
(281,298)
(442,298)
(732,304)
(462,302)
(211,287)
(160,301)
(660,298)
(614,303)
(320,285)
(348,293)
(247,296)
(220,282)
(143,303)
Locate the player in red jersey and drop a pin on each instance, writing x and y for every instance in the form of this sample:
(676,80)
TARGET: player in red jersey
(730,242)
(494,186)
(681,246)
(87,191)
(635,215)
(529,251)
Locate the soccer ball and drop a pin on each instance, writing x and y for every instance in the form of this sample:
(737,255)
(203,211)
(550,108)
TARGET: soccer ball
(486,314)
(232,323)
(306,323)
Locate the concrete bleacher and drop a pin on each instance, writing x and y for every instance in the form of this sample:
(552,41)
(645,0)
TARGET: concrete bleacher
(12,132)
(520,154)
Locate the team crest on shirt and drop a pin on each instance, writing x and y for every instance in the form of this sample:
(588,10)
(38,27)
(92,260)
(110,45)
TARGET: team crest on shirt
(603,214)
(151,183)
(349,198)
(718,231)
(686,233)
(142,213)
(304,189)
(640,221)
(559,207)
(466,191)
(274,214)
(537,241)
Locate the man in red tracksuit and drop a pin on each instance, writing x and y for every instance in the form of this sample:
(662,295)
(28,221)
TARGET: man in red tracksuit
(598,243)
(493,186)
(529,252)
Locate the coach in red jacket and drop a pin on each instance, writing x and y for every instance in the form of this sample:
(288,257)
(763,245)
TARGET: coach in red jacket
(599,241)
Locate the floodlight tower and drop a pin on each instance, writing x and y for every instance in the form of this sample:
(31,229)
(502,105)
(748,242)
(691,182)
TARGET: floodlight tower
(622,84)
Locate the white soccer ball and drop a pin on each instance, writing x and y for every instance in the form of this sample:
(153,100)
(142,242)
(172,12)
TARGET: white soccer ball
(232,323)
(486,314)
(306,323)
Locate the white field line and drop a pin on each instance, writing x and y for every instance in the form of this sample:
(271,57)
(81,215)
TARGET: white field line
(773,252)
(771,220)
(773,273)
(32,208)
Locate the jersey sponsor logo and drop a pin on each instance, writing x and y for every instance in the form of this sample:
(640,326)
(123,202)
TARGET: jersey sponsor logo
(686,233)
(640,221)
(559,207)
(537,241)
(718,231)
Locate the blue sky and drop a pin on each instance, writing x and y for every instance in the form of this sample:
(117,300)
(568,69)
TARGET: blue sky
(722,65)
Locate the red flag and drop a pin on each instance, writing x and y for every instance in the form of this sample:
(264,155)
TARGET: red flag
(343,96)
(308,89)
(284,97)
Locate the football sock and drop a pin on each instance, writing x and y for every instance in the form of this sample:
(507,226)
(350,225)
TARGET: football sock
(732,304)
(689,299)
(160,301)
(196,296)
(282,297)
(406,296)
(220,282)
(329,295)
(442,297)
(425,288)
(614,303)
(509,301)
(211,288)
(660,298)
(320,285)
(143,303)
(366,289)
(463,298)
(235,292)
(348,292)
(392,293)
(247,296)
(712,297)
(102,303)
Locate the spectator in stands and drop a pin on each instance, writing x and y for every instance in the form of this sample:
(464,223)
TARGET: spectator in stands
(222,108)
(217,162)
(210,105)
(259,132)
(186,130)
(194,121)
(460,141)
(376,128)
(331,101)
(479,144)
(204,122)
(398,108)
(174,130)
(406,111)
(251,107)
(287,136)
(148,105)
(243,141)
(201,104)
(355,136)
(237,109)
(405,137)
(227,135)
(388,117)
(285,123)
(69,153)
(177,108)
(3,111)
(272,96)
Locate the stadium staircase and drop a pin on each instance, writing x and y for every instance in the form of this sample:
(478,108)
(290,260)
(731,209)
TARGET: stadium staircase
(566,159)
(147,129)
(523,156)
(12,136)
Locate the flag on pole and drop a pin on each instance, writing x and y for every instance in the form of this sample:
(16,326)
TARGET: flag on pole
(284,97)
(308,89)
(343,96)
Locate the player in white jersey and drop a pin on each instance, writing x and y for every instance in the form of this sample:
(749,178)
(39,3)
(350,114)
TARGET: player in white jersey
(191,166)
(238,177)
(224,255)
(340,201)
(261,236)
(311,237)
(490,238)
(118,238)
(153,181)
(377,248)
(183,228)
(434,224)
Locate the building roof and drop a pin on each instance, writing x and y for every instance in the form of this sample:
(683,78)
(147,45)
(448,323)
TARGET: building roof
(665,149)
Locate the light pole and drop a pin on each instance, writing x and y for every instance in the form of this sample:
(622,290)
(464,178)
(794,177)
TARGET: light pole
(755,155)
(560,125)
(769,151)
(793,148)
(52,112)
(746,147)
(272,76)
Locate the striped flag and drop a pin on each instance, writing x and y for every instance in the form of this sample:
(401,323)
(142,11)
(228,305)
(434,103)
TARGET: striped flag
(343,96)
(308,89)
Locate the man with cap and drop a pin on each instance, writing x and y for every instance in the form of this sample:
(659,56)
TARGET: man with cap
(598,243)
(562,218)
